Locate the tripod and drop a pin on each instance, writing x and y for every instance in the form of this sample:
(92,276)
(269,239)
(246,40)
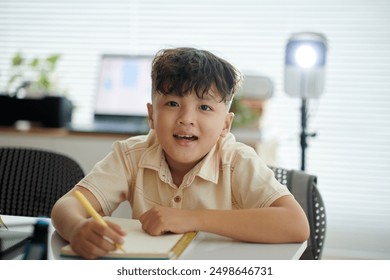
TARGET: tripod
(304,134)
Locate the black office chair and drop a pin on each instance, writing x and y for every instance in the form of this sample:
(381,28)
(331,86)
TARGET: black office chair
(32,180)
(304,188)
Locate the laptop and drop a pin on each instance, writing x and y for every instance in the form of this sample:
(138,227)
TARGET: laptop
(122,91)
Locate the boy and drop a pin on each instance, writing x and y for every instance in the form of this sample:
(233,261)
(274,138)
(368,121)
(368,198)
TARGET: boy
(188,173)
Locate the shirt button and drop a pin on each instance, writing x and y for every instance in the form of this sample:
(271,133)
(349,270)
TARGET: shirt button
(177,199)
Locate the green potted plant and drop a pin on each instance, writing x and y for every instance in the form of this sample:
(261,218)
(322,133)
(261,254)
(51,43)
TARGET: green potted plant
(33,94)
(35,76)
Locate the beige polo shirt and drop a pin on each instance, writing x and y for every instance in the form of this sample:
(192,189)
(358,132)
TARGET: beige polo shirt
(230,176)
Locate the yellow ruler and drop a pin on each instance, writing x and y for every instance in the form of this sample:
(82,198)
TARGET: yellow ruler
(183,243)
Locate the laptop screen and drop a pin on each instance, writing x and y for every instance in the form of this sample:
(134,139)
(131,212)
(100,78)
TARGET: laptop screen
(124,85)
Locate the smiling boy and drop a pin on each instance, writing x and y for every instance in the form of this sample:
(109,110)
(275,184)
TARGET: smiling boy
(188,173)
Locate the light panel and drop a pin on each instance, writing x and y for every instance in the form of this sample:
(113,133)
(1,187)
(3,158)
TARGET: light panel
(305,61)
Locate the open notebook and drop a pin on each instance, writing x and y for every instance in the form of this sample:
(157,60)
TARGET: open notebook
(140,245)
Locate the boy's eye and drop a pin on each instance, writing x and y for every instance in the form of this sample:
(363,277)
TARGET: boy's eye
(172,104)
(205,107)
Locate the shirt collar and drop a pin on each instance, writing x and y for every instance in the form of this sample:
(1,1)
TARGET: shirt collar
(208,168)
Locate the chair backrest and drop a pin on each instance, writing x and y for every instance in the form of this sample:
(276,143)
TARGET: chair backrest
(304,188)
(32,180)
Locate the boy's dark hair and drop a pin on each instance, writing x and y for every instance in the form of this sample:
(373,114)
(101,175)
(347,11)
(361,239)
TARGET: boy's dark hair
(179,71)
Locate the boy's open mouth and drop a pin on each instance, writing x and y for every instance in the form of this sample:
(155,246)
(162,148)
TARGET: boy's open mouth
(185,137)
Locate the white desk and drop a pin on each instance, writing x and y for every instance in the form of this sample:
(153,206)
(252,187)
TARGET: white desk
(205,246)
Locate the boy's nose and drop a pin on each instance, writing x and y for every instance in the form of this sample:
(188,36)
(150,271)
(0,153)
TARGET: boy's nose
(186,117)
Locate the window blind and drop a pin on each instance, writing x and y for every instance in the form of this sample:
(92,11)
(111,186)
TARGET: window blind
(351,153)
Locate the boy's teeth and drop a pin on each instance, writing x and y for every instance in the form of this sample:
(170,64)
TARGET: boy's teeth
(186,137)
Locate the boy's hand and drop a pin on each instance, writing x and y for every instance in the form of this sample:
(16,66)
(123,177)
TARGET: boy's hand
(91,240)
(159,220)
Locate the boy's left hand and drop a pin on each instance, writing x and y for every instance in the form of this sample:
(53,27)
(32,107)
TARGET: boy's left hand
(159,220)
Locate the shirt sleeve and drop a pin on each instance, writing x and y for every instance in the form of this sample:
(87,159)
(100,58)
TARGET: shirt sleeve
(109,179)
(253,182)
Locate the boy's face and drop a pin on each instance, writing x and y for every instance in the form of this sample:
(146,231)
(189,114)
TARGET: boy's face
(188,127)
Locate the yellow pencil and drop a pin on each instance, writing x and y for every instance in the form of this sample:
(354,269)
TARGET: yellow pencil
(87,205)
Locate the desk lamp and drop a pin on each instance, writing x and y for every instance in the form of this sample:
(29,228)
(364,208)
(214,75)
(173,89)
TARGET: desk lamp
(304,75)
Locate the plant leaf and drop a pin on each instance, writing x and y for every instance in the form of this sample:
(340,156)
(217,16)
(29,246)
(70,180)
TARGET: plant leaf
(44,82)
(17,60)
(13,78)
(34,63)
(53,59)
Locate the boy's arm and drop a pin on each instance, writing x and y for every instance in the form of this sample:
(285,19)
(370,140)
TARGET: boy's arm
(284,221)
(85,235)
(67,212)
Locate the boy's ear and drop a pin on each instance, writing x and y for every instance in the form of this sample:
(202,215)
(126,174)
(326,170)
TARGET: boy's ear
(150,115)
(228,123)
